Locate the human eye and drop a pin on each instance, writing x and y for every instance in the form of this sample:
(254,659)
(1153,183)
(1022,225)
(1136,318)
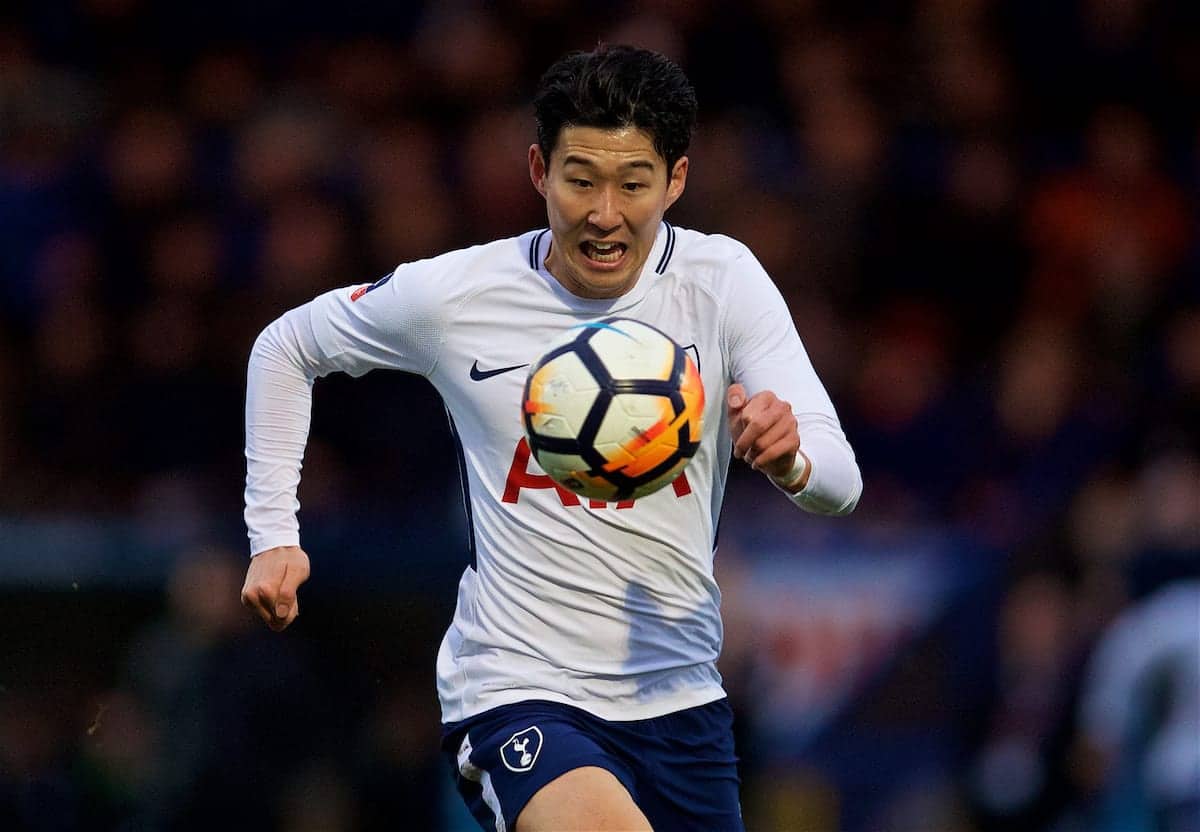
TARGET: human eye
(580,183)
(634,187)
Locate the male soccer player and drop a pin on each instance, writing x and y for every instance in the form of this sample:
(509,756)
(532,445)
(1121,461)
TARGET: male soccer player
(577,680)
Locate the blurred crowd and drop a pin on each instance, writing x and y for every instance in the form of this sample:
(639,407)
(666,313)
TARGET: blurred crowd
(983,215)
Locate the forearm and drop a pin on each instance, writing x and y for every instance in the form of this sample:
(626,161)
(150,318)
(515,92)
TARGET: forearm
(278,411)
(832,483)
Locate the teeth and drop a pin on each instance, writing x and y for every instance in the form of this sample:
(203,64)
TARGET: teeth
(605,252)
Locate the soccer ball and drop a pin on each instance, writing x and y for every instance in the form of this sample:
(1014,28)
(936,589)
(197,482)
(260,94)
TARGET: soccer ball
(614,410)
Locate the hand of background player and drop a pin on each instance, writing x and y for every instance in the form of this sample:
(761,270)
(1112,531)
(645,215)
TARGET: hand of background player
(272,580)
(765,434)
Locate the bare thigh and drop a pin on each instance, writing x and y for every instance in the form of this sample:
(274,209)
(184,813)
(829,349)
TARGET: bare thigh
(588,799)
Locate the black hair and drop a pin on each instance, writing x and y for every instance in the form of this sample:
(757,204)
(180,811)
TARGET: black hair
(617,86)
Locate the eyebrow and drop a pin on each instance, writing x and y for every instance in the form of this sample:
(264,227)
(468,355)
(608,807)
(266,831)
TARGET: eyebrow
(572,159)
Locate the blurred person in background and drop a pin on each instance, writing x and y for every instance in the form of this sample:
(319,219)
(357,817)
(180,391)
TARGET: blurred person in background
(577,681)
(220,701)
(1017,778)
(1139,719)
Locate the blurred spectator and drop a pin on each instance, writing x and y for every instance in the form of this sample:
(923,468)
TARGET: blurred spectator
(287,145)
(1017,780)
(1108,236)
(319,799)
(1045,426)
(402,166)
(904,416)
(398,776)
(495,175)
(35,766)
(224,700)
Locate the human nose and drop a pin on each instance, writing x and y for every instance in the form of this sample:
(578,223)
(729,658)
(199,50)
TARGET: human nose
(605,212)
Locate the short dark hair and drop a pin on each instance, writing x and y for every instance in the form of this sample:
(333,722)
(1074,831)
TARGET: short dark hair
(617,86)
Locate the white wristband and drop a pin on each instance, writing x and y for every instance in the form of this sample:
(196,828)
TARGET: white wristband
(801,469)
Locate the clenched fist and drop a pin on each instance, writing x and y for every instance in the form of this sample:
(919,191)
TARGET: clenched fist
(765,434)
(271,584)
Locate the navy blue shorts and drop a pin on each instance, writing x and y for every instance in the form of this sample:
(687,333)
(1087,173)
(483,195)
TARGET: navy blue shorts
(679,768)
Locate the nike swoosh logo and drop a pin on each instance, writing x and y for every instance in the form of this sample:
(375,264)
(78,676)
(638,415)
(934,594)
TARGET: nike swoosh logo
(479,375)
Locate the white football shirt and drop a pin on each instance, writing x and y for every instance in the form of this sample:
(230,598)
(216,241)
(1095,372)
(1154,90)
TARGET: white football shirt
(610,608)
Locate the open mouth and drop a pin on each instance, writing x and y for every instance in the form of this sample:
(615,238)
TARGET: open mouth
(604,254)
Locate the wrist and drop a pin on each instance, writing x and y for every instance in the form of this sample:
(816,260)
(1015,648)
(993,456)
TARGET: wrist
(795,480)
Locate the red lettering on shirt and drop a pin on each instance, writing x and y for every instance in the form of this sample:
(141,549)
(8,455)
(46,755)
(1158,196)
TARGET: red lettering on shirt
(519,476)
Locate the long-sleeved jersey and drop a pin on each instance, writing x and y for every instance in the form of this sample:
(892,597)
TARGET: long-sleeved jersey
(608,607)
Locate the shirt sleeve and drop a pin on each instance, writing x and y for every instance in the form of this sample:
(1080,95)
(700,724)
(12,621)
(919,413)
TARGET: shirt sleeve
(391,324)
(766,353)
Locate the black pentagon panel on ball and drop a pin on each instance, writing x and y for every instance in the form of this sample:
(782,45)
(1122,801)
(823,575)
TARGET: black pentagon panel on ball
(591,427)
(626,485)
(644,386)
(573,346)
(677,402)
(687,446)
(553,444)
(591,361)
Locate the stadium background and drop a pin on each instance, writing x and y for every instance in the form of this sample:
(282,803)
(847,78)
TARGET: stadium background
(982,213)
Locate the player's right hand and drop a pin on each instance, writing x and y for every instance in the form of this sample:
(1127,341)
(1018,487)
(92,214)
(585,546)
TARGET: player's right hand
(272,580)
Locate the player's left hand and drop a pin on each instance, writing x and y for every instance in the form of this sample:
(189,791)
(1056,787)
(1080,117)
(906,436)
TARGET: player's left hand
(764,431)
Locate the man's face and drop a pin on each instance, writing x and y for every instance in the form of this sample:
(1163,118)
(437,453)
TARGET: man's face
(606,191)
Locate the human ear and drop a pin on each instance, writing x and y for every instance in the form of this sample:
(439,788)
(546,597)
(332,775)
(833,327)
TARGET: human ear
(677,181)
(537,168)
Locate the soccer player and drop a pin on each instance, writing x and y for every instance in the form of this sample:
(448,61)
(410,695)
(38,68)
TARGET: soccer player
(577,679)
